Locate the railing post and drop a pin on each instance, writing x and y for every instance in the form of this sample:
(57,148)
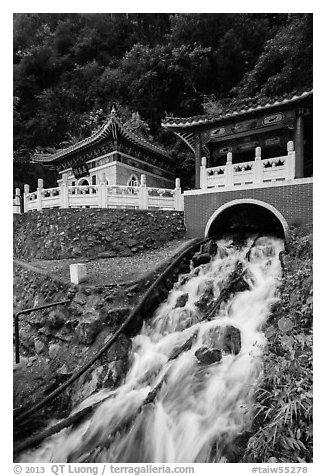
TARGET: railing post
(203,173)
(26,192)
(17,202)
(39,193)
(229,170)
(178,202)
(102,195)
(258,166)
(290,161)
(143,193)
(64,192)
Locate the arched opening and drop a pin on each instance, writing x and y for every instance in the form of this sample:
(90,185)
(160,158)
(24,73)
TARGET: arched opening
(83,181)
(132,182)
(246,217)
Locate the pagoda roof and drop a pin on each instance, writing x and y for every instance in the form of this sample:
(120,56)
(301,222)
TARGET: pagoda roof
(112,127)
(236,107)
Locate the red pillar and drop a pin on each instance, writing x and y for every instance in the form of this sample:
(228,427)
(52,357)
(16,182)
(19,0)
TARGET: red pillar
(299,145)
(198,156)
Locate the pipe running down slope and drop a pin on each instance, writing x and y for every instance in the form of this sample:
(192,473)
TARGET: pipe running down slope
(194,367)
(135,313)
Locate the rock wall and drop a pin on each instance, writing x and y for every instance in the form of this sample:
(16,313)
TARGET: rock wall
(71,233)
(55,342)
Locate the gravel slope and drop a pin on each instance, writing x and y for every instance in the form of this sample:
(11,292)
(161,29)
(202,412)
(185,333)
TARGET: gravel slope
(104,271)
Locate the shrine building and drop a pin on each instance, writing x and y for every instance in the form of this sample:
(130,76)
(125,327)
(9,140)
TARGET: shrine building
(253,165)
(118,153)
(241,126)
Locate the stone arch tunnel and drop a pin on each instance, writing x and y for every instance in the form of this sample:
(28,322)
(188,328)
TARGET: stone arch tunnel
(246,217)
(280,205)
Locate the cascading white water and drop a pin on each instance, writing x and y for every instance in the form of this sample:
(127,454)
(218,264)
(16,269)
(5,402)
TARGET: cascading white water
(199,407)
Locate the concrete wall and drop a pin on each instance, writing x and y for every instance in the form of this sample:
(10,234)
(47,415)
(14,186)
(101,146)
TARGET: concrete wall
(67,233)
(294,202)
(118,172)
(124,172)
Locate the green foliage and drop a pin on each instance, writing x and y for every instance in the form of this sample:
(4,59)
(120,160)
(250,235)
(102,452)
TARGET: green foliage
(285,63)
(283,408)
(67,66)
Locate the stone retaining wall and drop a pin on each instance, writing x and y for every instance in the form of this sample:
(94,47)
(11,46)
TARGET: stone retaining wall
(71,233)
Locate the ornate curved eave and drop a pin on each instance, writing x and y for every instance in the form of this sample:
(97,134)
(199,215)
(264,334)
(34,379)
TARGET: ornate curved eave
(112,128)
(194,121)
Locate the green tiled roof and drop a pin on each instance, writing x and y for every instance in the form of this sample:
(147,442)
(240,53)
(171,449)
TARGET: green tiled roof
(236,107)
(110,127)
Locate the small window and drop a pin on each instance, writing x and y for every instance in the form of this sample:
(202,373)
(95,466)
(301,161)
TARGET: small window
(83,182)
(93,179)
(132,182)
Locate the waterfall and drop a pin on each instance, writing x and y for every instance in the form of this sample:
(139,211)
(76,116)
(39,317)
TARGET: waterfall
(193,370)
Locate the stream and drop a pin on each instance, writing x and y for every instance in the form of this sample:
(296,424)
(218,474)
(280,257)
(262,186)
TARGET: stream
(194,368)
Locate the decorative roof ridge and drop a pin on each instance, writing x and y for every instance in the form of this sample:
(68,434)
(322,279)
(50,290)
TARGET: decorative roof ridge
(97,135)
(136,137)
(206,119)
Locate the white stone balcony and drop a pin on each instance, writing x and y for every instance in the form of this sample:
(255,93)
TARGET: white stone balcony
(103,196)
(246,174)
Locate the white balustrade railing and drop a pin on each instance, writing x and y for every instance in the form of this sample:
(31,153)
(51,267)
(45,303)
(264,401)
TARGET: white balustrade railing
(257,171)
(161,198)
(215,176)
(103,196)
(122,196)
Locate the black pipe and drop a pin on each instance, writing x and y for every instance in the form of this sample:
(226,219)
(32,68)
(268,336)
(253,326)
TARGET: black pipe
(28,311)
(23,416)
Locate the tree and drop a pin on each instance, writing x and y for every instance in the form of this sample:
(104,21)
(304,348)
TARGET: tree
(285,63)
(67,67)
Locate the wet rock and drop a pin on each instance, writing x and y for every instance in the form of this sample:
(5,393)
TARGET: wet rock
(131,242)
(89,386)
(208,356)
(56,319)
(76,250)
(79,299)
(206,298)
(39,346)
(182,300)
(227,339)
(26,337)
(116,315)
(45,331)
(87,330)
(231,340)
(63,370)
(201,258)
(107,254)
(116,371)
(209,247)
(54,350)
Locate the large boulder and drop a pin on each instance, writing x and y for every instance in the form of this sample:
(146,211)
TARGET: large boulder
(181,300)
(201,258)
(227,339)
(208,356)
(209,247)
(231,340)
